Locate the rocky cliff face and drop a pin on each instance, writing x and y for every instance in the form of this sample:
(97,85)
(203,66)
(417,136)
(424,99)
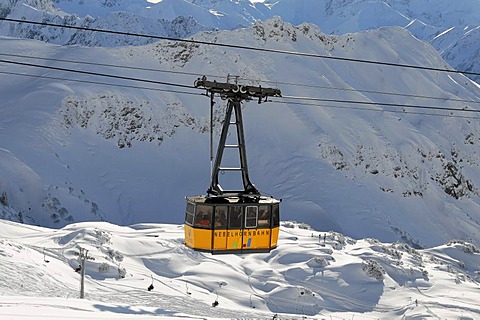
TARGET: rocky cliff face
(123,21)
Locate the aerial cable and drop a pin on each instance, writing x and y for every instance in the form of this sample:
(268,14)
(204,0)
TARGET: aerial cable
(364,91)
(380,104)
(188,86)
(245,79)
(101,83)
(287,97)
(97,74)
(235,46)
(109,65)
(377,110)
(282,102)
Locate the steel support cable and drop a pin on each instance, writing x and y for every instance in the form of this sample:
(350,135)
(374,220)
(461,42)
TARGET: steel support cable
(282,102)
(100,83)
(364,91)
(108,65)
(235,46)
(202,94)
(246,79)
(379,104)
(375,110)
(286,97)
(97,74)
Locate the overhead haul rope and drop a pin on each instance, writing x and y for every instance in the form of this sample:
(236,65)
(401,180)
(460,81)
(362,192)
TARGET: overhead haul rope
(235,46)
(306,85)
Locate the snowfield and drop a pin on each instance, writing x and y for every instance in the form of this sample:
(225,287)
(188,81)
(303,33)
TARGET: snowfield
(312,274)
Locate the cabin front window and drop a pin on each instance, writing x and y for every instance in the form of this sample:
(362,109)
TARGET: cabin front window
(203,216)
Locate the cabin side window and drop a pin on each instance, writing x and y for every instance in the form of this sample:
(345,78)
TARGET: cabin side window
(189,213)
(235,217)
(251,217)
(220,217)
(264,216)
(203,216)
(276,215)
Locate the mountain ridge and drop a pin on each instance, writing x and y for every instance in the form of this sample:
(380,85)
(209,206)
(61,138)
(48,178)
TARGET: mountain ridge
(183,18)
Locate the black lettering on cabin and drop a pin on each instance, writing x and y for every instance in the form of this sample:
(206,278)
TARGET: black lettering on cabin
(221,234)
(231,234)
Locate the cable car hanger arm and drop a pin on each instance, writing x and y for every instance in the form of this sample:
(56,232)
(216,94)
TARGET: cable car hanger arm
(236,91)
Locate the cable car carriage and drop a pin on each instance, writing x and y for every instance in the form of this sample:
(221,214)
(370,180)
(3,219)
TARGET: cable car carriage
(232,221)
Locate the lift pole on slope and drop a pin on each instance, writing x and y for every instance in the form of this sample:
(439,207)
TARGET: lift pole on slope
(83,257)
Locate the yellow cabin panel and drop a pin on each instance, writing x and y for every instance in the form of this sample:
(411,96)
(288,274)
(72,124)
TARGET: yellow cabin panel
(256,239)
(234,239)
(248,239)
(225,240)
(188,233)
(275,232)
(198,238)
(219,240)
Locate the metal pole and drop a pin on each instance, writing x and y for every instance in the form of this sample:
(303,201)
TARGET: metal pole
(83,257)
(212,102)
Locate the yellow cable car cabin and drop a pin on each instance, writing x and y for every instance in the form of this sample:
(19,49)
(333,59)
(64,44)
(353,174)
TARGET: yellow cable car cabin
(232,221)
(232,227)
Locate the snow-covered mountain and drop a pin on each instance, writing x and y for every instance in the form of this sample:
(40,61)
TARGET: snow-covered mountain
(144,271)
(82,151)
(451,26)
(110,19)
(358,151)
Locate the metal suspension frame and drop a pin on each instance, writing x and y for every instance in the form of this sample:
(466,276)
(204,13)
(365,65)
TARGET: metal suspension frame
(235,94)
(233,106)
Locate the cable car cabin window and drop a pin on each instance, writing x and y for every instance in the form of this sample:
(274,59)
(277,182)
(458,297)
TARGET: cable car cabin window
(251,217)
(220,217)
(264,216)
(203,216)
(235,217)
(276,216)
(189,212)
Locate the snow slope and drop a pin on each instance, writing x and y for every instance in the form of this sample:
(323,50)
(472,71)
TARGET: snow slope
(311,274)
(92,152)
